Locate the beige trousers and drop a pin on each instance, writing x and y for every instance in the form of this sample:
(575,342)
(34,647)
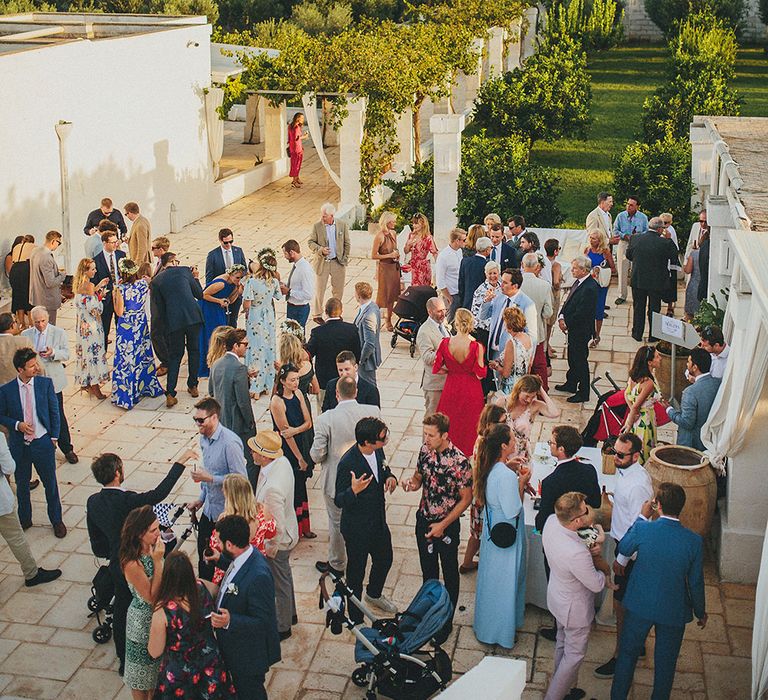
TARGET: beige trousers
(622,268)
(337,272)
(11,532)
(431,399)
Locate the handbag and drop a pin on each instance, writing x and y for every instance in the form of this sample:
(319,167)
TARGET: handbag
(604,275)
(503,535)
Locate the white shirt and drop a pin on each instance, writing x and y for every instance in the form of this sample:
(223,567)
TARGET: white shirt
(41,340)
(495,255)
(302,283)
(606,217)
(373,464)
(447,269)
(717,370)
(330,233)
(229,258)
(7,467)
(107,257)
(633,488)
(39,427)
(237,564)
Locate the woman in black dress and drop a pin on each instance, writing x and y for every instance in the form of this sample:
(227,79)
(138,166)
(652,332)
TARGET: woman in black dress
(18,276)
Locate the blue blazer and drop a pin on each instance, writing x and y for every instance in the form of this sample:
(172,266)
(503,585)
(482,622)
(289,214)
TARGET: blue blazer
(175,292)
(251,644)
(214,263)
(492,309)
(667,582)
(694,410)
(369,330)
(102,272)
(12,411)
(471,276)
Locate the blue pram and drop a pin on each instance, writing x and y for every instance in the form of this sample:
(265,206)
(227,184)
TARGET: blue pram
(389,652)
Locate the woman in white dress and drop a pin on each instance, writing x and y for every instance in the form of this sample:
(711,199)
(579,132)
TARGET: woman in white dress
(518,352)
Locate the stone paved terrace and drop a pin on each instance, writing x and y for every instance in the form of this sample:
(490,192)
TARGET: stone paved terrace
(46,650)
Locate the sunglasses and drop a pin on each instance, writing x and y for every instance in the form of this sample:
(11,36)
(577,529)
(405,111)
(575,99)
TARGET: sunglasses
(584,514)
(622,455)
(200,421)
(231,240)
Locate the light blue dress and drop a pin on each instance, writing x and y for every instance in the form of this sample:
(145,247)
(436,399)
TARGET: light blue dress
(500,595)
(260,326)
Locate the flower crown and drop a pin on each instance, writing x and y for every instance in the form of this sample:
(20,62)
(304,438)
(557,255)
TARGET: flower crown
(237,267)
(127,267)
(542,261)
(262,256)
(292,327)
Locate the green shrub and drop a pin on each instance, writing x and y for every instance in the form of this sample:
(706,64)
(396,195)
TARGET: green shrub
(496,175)
(659,173)
(667,14)
(596,25)
(414,194)
(763,9)
(548,98)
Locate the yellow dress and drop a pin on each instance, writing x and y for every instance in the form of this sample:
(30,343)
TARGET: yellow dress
(645,425)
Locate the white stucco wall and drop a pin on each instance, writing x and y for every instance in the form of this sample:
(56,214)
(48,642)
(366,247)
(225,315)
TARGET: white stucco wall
(136,105)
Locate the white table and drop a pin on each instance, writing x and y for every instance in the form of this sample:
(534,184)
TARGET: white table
(536,579)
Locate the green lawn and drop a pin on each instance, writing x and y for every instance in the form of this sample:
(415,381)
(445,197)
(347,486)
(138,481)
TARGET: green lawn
(621,79)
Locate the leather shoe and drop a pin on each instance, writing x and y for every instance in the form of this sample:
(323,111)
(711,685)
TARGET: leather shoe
(26,525)
(71,457)
(170,401)
(34,484)
(565,388)
(60,530)
(193,392)
(285,635)
(577,399)
(575,694)
(43,576)
(162,370)
(639,340)
(549,633)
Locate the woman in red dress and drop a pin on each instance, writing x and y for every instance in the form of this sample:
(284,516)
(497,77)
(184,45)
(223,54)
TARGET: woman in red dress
(295,147)
(461,358)
(420,245)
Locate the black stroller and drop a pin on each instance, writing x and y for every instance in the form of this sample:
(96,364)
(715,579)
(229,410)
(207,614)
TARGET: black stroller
(411,307)
(389,652)
(103,586)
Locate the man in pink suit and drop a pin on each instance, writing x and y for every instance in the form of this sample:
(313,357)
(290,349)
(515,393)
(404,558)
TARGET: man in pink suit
(573,582)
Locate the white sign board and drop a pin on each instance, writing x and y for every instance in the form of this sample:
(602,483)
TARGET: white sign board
(673,327)
(673,330)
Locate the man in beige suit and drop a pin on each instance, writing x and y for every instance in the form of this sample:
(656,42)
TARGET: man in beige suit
(330,245)
(140,236)
(428,339)
(45,278)
(10,342)
(600,218)
(540,291)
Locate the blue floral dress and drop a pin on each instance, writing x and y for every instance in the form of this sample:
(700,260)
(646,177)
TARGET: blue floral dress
(134,373)
(90,354)
(260,326)
(214,315)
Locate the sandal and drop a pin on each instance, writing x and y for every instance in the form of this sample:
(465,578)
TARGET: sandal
(594,342)
(466,569)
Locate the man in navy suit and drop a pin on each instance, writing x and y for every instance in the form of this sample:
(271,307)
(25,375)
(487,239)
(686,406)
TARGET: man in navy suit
(346,366)
(665,591)
(219,260)
(107,263)
(246,621)
(30,411)
(472,271)
(501,252)
(175,291)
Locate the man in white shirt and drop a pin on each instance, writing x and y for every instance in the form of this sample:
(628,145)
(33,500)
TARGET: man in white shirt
(599,219)
(429,337)
(299,290)
(633,488)
(713,341)
(447,270)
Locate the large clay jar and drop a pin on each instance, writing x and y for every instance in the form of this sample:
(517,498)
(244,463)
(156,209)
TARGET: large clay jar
(690,469)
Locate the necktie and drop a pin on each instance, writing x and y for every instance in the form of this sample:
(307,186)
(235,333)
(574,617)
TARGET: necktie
(112,268)
(574,287)
(443,330)
(493,254)
(29,413)
(40,344)
(224,583)
(228,258)
(290,276)
(500,324)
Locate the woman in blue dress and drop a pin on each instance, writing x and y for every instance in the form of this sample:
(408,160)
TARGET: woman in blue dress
(217,296)
(599,253)
(260,291)
(134,374)
(500,594)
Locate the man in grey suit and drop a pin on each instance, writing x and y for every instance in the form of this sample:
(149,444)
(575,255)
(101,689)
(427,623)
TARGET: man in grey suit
(540,291)
(44,276)
(368,322)
(429,337)
(50,344)
(697,400)
(228,384)
(329,241)
(334,435)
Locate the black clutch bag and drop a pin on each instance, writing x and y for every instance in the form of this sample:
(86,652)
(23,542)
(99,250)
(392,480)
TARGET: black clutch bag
(503,535)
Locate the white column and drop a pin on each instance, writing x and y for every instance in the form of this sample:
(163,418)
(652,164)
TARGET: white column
(255,118)
(404,159)
(350,137)
(514,46)
(720,254)
(701,162)
(529,38)
(495,53)
(73,250)
(446,136)
(275,131)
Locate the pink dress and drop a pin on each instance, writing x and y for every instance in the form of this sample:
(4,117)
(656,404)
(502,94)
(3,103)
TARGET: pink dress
(462,398)
(296,149)
(265,530)
(421,268)
(521,433)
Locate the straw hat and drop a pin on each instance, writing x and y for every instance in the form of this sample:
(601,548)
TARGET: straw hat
(267,443)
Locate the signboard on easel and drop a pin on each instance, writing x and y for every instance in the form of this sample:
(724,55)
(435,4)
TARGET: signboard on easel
(676,332)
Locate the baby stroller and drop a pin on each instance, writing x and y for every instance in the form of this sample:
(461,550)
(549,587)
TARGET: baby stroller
(411,307)
(103,586)
(389,651)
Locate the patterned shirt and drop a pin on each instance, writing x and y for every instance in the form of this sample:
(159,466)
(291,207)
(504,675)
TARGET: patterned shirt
(443,475)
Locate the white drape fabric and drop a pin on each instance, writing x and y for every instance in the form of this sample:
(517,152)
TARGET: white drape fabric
(760,633)
(736,401)
(313,124)
(214,98)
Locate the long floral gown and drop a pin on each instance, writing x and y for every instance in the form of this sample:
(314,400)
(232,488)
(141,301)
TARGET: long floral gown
(90,354)
(421,268)
(134,373)
(260,326)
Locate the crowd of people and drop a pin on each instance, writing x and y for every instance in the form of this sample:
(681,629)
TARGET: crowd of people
(485,352)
